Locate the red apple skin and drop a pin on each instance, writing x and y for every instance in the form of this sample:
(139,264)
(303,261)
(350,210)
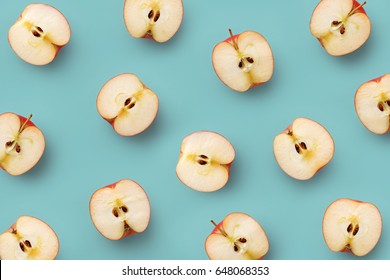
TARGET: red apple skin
(216,230)
(58,48)
(112,186)
(229,40)
(346,249)
(289,129)
(22,120)
(355,5)
(376,80)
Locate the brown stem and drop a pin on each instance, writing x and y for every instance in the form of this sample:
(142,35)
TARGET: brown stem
(357,8)
(219,228)
(24,124)
(234,41)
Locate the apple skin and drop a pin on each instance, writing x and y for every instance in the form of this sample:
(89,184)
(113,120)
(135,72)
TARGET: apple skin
(355,5)
(112,186)
(29,123)
(376,80)
(346,249)
(334,147)
(58,48)
(230,41)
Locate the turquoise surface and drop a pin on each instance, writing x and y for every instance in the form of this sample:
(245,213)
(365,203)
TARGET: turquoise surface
(83,153)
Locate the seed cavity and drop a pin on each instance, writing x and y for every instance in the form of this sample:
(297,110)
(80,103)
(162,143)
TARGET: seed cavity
(355,230)
(151,14)
(157,16)
(124,209)
(115,213)
(249,59)
(297,148)
(342,30)
(242,240)
(36,34)
(380,107)
(27,243)
(21,245)
(303,145)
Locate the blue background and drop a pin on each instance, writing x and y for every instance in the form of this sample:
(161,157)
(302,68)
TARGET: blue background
(83,153)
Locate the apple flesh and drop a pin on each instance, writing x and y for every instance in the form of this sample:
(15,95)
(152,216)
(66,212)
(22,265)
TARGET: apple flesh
(237,237)
(243,61)
(205,160)
(29,239)
(372,103)
(352,226)
(157,20)
(341,26)
(303,148)
(21,144)
(39,33)
(127,104)
(120,209)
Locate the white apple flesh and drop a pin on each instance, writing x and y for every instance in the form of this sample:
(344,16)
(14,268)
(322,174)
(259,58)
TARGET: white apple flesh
(237,237)
(29,239)
(372,103)
(153,19)
(341,26)
(243,61)
(204,161)
(352,226)
(303,148)
(127,104)
(120,209)
(39,34)
(21,144)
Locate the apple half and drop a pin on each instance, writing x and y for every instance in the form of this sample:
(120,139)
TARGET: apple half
(205,160)
(237,237)
(243,61)
(372,104)
(341,26)
(21,143)
(158,20)
(127,104)
(120,209)
(352,226)
(303,148)
(29,239)
(39,33)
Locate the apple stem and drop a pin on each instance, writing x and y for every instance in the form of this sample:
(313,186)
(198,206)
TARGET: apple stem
(219,228)
(25,123)
(234,41)
(357,8)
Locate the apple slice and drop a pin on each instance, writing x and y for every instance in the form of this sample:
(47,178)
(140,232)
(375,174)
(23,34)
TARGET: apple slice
(372,103)
(29,239)
(120,209)
(127,104)
(21,144)
(39,34)
(352,226)
(157,20)
(237,237)
(341,26)
(303,148)
(243,61)
(205,160)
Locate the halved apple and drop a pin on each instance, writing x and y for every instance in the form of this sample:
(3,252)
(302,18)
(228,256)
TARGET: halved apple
(243,61)
(29,239)
(21,143)
(372,103)
(341,26)
(204,161)
(237,237)
(303,148)
(153,19)
(352,226)
(39,34)
(120,209)
(127,104)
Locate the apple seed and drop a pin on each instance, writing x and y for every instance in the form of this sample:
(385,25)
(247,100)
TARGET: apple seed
(9,143)
(235,248)
(202,162)
(380,107)
(242,240)
(303,145)
(17,148)
(335,22)
(151,14)
(21,245)
(124,209)
(157,16)
(115,213)
(36,34)
(297,148)
(39,29)
(240,64)
(342,30)
(356,230)
(349,229)
(388,102)
(249,59)
(27,243)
